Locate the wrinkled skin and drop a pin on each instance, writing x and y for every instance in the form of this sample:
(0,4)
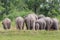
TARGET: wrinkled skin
(6,23)
(41,24)
(49,23)
(30,21)
(19,23)
(55,24)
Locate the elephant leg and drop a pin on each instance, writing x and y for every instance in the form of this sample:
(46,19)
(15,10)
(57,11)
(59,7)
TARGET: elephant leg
(49,26)
(56,26)
(20,26)
(37,26)
(28,25)
(17,25)
(9,25)
(44,26)
(33,25)
(4,26)
(23,25)
(41,26)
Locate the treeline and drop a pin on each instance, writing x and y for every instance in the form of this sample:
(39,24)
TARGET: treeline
(14,8)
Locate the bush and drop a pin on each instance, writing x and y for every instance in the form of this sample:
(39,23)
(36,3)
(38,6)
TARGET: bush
(15,13)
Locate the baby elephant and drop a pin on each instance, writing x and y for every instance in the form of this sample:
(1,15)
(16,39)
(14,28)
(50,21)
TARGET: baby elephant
(36,25)
(19,23)
(6,23)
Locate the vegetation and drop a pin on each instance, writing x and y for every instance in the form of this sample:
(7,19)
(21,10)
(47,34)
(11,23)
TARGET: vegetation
(29,35)
(14,8)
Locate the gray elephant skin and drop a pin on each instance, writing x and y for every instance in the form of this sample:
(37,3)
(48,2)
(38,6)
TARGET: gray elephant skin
(19,23)
(40,24)
(49,23)
(6,23)
(55,24)
(41,16)
(30,21)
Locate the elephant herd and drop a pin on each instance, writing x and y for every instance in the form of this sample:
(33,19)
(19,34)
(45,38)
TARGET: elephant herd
(33,22)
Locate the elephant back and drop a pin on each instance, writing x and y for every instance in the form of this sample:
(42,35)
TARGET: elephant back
(6,20)
(19,19)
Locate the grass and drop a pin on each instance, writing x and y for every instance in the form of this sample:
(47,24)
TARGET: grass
(29,35)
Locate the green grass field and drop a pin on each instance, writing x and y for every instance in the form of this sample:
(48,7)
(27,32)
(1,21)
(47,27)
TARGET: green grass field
(29,35)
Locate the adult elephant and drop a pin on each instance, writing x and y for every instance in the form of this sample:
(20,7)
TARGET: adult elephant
(49,23)
(19,23)
(30,21)
(6,23)
(55,24)
(40,24)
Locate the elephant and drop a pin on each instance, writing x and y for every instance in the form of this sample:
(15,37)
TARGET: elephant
(6,23)
(41,16)
(49,23)
(30,21)
(55,24)
(41,24)
(36,25)
(19,23)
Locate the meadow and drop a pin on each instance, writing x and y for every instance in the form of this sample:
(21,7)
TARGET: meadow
(29,35)
(14,34)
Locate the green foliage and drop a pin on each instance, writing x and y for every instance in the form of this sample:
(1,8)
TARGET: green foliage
(15,13)
(14,8)
(18,13)
(48,8)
